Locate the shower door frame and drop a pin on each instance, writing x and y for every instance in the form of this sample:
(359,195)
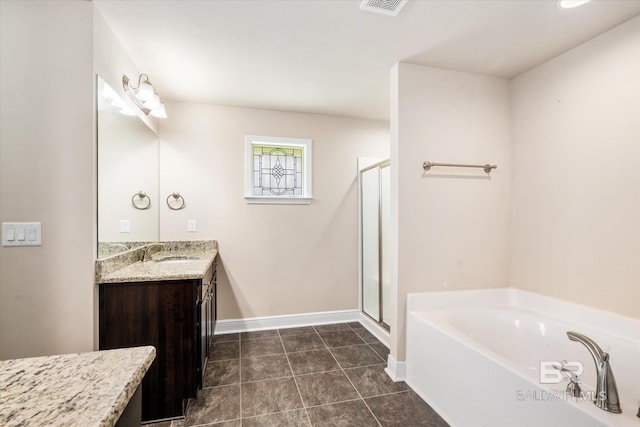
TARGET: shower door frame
(379,165)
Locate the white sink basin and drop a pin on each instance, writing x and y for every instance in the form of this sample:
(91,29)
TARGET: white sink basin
(178,259)
(174,261)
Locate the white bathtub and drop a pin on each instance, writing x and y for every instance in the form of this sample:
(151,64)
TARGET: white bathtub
(474,356)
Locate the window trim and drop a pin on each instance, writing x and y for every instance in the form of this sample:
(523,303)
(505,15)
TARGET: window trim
(275,141)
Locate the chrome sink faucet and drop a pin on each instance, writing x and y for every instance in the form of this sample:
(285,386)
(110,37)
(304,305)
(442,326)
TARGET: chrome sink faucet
(606,391)
(145,250)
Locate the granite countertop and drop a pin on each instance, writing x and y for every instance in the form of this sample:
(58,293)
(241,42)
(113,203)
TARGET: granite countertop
(187,260)
(81,389)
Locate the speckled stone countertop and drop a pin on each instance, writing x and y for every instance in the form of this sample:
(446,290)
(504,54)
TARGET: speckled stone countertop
(187,260)
(81,389)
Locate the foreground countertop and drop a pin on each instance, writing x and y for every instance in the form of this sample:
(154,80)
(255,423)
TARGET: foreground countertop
(128,268)
(81,389)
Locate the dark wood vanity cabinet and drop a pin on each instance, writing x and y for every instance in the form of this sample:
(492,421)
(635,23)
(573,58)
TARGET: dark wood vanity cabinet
(176,317)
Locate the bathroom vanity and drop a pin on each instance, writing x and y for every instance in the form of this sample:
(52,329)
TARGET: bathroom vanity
(168,301)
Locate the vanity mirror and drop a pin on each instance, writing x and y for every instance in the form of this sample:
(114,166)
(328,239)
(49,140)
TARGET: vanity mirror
(127,175)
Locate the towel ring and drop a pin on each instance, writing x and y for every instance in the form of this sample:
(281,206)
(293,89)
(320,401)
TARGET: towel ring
(137,201)
(176,196)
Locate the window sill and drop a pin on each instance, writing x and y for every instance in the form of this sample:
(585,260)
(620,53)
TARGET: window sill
(262,200)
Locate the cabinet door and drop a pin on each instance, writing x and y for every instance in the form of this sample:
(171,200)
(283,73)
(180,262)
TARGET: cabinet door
(212,311)
(207,324)
(214,297)
(161,314)
(202,344)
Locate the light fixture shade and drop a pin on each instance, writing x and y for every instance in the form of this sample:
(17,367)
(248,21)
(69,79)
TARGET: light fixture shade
(568,4)
(159,112)
(118,103)
(127,111)
(144,96)
(108,92)
(145,92)
(153,103)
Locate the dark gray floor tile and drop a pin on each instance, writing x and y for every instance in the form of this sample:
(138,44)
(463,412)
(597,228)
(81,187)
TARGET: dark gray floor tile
(381,349)
(367,336)
(226,350)
(296,418)
(271,333)
(270,396)
(214,405)
(297,331)
(332,327)
(226,337)
(373,381)
(302,342)
(327,387)
(356,355)
(404,409)
(345,414)
(261,347)
(341,338)
(309,362)
(223,372)
(267,397)
(265,368)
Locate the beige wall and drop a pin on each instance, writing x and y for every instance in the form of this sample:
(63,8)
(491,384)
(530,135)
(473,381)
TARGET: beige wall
(576,174)
(452,224)
(277,259)
(47,175)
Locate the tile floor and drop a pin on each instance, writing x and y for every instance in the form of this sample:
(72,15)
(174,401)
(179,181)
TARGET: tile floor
(328,375)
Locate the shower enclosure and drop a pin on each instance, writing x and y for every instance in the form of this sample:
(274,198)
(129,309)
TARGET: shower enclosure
(374,186)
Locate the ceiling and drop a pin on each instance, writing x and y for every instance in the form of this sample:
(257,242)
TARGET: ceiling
(331,57)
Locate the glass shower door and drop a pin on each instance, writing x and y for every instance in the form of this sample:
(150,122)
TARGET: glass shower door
(374,219)
(385,242)
(370,179)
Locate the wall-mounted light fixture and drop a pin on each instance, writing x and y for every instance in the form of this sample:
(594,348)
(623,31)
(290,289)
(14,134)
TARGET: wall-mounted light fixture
(145,96)
(109,99)
(570,4)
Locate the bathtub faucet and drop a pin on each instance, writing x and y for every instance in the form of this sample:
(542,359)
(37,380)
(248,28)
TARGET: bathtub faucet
(606,390)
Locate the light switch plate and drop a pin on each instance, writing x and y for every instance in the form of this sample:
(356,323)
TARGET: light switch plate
(125,226)
(21,234)
(191,225)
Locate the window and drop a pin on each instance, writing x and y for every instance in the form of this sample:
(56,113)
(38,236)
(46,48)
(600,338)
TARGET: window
(278,170)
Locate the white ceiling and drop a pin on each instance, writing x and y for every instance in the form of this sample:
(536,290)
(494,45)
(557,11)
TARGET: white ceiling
(331,57)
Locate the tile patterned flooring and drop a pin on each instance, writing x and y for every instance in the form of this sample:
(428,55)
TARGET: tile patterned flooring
(326,375)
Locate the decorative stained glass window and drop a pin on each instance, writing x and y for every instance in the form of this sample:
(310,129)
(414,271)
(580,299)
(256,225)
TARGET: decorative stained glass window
(278,170)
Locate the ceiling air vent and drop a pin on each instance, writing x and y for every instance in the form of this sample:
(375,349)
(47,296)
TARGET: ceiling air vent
(386,7)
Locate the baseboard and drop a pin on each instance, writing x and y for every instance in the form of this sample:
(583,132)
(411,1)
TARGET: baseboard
(229,326)
(397,370)
(377,330)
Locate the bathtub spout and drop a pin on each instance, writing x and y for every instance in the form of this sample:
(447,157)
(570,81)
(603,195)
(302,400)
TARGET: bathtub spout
(606,391)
